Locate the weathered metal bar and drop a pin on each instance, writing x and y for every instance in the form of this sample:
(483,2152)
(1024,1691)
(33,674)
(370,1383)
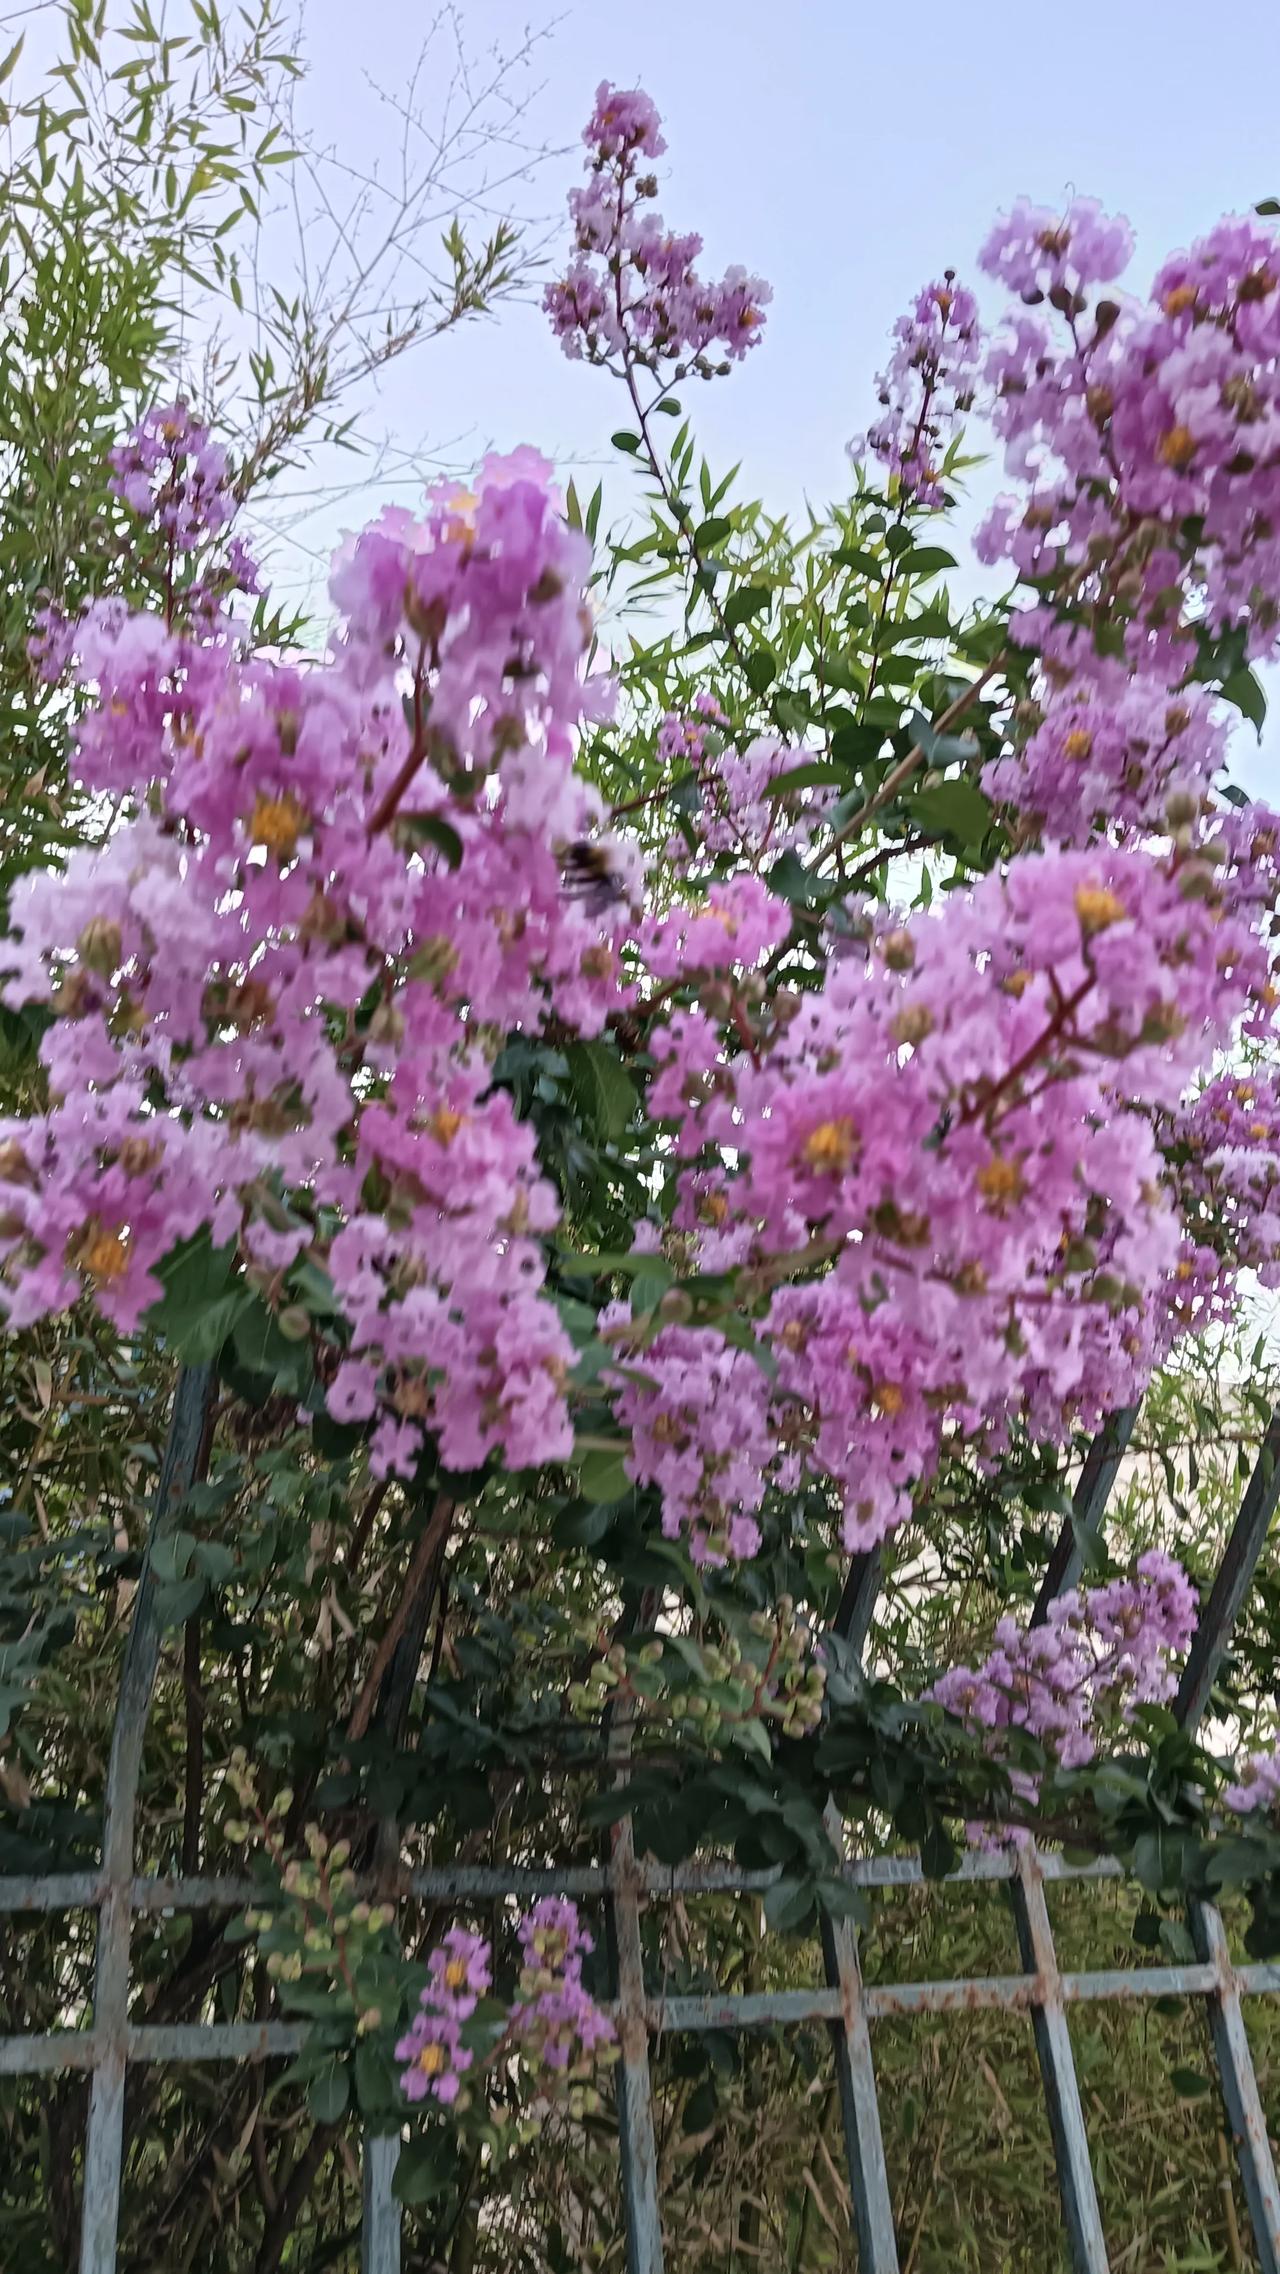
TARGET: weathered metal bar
(1108,1984)
(104,2141)
(215,2040)
(869,2195)
(380,2212)
(51,1891)
(1227,2031)
(1081,2215)
(1248,1535)
(752,2009)
(1240,2087)
(858,1598)
(59,2049)
(1088,1507)
(178,2041)
(75,1891)
(638,2146)
(859,2102)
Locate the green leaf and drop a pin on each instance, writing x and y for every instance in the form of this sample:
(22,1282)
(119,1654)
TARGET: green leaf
(441,834)
(174,1605)
(602,1475)
(747,601)
(203,1299)
(171,1557)
(624,440)
(425,2168)
(852,556)
(261,1348)
(953,809)
(583,1527)
(1245,691)
(787,1904)
(1189,2084)
(602,1086)
(791,880)
(329,2092)
(712,532)
(816,773)
(926,560)
(1268,206)
(761,669)
(855,746)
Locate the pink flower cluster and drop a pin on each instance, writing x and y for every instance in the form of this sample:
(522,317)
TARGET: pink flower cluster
(553,2022)
(927,386)
(703,1431)
(1225,1144)
(632,291)
(171,472)
(1103,1652)
(941,1170)
(742,810)
(557,2022)
(459,1972)
(1146,436)
(1255,1783)
(1115,752)
(280,983)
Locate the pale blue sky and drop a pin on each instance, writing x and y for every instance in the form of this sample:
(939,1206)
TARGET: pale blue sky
(846,152)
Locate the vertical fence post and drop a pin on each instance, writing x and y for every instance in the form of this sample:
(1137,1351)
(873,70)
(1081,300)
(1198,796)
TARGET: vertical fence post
(1058,2069)
(851,2034)
(1088,1507)
(100,2214)
(637,2145)
(380,2212)
(1239,1562)
(1076,2183)
(859,2104)
(1241,2098)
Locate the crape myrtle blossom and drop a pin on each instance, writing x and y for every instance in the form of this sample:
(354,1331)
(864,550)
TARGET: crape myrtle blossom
(280,981)
(1102,1652)
(1144,434)
(631,292)
(1118,753)
(553,2023)
(927,386)
(948,1178)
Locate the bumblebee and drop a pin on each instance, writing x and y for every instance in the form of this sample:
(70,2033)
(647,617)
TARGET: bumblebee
(587,873)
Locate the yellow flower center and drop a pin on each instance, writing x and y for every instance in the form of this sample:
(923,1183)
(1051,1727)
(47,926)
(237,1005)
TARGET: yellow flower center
(1182,297)
(1098,908)
(455,1973)
(460,527)
(831,1146)
(1177,448)
(1078,744)
(1000,1181)
(444,1124)
(278,823)
(431,2060)
(890,1398)
(104,1255)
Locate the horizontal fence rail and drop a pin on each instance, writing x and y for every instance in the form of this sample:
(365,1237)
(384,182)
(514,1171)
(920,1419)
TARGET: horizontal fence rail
(844,2002)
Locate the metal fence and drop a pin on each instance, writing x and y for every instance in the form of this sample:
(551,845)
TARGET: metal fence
(844,2004)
